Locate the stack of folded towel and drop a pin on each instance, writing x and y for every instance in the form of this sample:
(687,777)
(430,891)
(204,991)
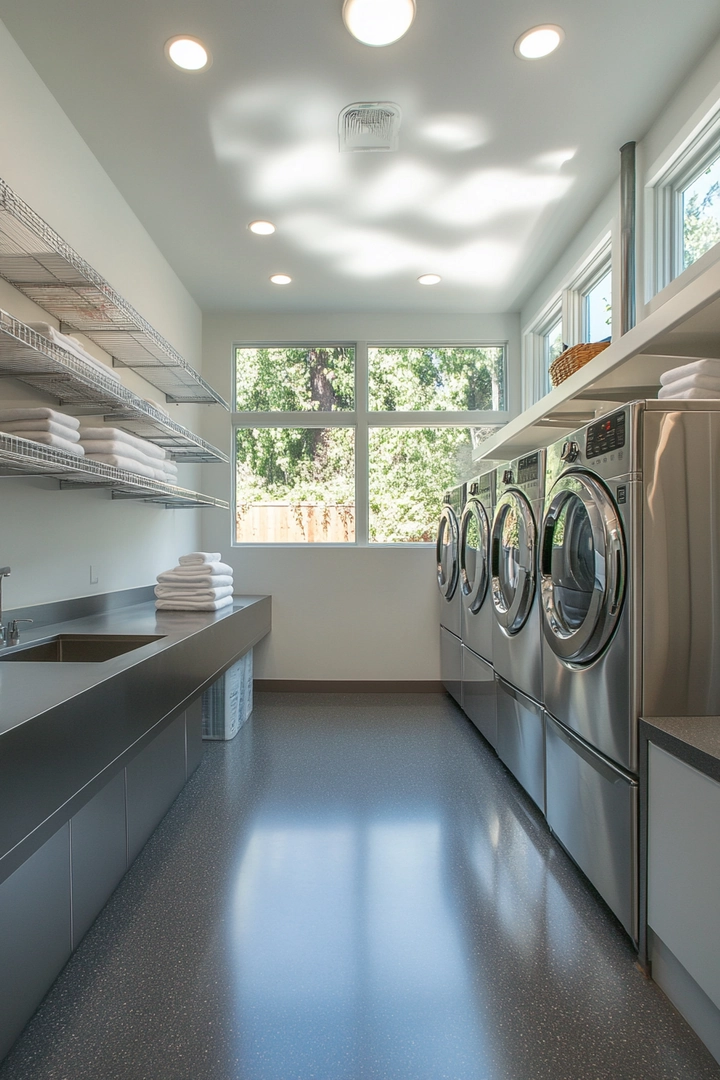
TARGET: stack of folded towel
(200,583)
(119,448)
(45,426)
(699,379)
(74,347)
(171,471)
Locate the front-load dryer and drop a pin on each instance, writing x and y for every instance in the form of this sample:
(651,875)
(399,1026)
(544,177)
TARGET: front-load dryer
(478,689)
(448,579)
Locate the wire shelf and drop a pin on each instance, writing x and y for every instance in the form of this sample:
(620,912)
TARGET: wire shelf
(40,363)
(41,265)
(22,457)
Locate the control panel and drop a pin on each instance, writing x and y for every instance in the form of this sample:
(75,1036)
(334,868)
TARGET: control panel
(607,435)
(528,468)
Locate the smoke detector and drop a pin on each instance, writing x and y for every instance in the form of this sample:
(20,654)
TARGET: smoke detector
(369,126)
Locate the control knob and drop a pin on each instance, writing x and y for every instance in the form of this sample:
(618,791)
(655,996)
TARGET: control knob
(474,488)
(570,451)
(507,477)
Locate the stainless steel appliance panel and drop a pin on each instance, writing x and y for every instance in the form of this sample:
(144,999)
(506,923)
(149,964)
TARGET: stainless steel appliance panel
(681,560)
(99,853)
(451,663)
(521,739)
(474,559)
(447,563)
(479,695)
(592,808)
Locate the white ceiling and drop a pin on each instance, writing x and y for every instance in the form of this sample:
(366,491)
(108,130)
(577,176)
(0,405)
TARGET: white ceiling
(500,160)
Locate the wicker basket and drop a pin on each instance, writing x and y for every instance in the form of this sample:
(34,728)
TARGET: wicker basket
(573,359)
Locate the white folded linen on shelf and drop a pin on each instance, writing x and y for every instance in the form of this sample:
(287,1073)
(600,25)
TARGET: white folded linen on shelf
(194,557)
(119,461)
(124,449)
(696,393)
(113,434)
(199,581)
(186,573)
(157,405)
(705,366)
(45,439)
(693,382)
(169,592)
(193,605)
(73,346)
(40,413)
(48,426)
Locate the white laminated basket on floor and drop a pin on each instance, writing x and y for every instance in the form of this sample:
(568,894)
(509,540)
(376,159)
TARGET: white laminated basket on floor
(229,701)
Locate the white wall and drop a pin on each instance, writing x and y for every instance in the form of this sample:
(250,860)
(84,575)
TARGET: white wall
(338,613)
(50,537)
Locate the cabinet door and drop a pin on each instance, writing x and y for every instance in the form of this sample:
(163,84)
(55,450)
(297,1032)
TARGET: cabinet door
(99,853)
(193,735)
(154,779)
(684,866)
(35,936)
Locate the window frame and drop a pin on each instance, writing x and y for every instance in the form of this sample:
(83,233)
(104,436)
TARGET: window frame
(594,269)
(667,194)
(361,419)
(537,348)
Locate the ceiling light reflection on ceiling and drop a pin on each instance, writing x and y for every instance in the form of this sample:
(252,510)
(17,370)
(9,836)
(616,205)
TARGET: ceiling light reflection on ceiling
(378,22)
(454,132)
(281,279)
(539,42)
(261,228)
(429,279)
(188,53)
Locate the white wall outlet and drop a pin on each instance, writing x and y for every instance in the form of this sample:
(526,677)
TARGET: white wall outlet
(94,575)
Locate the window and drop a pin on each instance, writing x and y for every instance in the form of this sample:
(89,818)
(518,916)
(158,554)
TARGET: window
(701,214)
(313,465)
(553,340)
(597,309)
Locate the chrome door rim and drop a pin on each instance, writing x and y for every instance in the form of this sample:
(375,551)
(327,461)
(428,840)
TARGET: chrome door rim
(474,592)
(447,587)
(514,617)
(583,645)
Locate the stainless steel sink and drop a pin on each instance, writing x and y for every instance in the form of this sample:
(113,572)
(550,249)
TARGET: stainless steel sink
(77,648)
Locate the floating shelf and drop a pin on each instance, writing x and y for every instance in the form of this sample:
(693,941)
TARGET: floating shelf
(21,457)
(40,363)
(41,265)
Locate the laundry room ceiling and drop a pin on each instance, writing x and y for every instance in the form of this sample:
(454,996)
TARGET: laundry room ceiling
(499,160)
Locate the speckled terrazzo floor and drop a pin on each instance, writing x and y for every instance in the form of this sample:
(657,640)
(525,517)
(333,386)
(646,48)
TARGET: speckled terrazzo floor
(354,889)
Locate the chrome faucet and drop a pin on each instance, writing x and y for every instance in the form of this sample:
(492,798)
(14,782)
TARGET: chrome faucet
(4,572)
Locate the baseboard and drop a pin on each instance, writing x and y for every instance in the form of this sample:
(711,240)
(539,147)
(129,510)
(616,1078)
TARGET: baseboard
(344,686)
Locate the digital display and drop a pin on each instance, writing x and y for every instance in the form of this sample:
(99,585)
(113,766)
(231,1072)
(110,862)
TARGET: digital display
(528,468)
(484,485)
(605,436)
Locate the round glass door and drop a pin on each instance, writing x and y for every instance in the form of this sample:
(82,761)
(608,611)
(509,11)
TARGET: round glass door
(446,551)
(474,555)
(513,544)
(582,568)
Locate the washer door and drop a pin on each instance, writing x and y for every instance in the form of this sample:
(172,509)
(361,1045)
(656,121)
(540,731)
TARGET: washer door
(582,567)
(474,555)
(514,538)
(446,552)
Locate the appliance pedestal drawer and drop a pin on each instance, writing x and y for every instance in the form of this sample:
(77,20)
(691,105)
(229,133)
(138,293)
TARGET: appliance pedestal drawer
(521,739)
(479,696)
(451,663)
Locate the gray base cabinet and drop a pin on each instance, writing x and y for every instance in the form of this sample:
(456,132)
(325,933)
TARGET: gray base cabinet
(99,853)
(35,941)
(193,736)
(154,779)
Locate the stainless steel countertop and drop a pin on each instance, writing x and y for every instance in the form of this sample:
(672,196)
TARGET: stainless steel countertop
(693,739)
(65,729)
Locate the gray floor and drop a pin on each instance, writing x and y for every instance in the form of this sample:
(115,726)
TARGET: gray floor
(354,889)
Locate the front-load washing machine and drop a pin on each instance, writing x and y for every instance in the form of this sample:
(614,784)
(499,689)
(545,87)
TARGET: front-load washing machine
(517,652)
(478,694)
(631,617)
(448,579)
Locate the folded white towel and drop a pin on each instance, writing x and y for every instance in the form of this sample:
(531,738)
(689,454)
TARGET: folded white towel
(195,557)
(693,394)
(40,413)
(209,581)
(48,426)
(73,346)
(199,570)
(170,466)
(193,605)
(157,405)
(113,434)
(171,592)
(45,438)
(123,449)
(693,382)
(118,461)
(696,367)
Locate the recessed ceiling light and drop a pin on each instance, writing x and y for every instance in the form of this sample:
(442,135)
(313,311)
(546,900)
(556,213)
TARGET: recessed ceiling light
(538,42)
(378,22)
(429,279)
(188,53)
(262,228)
(281,279)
